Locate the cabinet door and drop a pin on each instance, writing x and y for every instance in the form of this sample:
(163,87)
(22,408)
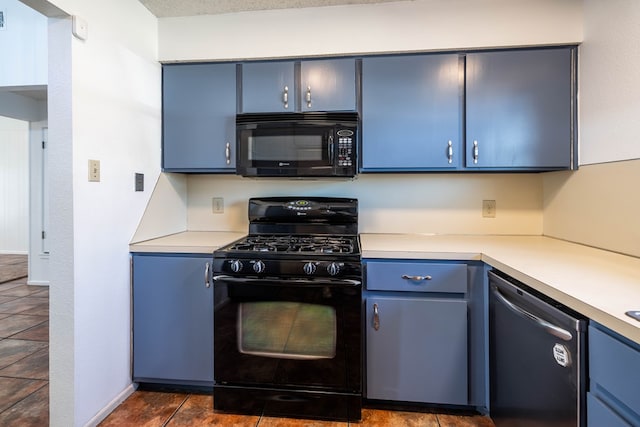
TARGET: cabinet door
(172,320)
(411,112)
(328,85)
(419,351)
(198,117)
(268,87)
(519,109)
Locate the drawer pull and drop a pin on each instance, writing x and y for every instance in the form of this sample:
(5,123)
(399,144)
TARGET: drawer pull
(415,278)
(376,317)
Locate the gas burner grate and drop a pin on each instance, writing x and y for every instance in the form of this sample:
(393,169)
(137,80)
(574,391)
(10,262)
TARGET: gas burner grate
(296,244)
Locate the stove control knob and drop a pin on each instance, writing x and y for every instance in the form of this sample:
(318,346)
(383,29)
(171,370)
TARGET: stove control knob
(309,268)
(258,266)
(236,265)
(333,268)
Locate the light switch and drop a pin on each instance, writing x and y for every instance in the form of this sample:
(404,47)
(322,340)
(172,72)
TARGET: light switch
(94,170)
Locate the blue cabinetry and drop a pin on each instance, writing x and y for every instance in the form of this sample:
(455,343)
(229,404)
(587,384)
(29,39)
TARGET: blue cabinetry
(614,376)
(520,109)
(417,335)
(412,112)
(172,319)
(290,86)
(198,117)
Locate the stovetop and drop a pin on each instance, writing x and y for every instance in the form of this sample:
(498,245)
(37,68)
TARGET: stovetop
(295,237)
(294,244)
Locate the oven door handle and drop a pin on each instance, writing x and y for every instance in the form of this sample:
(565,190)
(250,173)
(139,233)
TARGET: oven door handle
(307,282)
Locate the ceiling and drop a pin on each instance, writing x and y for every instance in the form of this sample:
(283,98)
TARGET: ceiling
(172,8)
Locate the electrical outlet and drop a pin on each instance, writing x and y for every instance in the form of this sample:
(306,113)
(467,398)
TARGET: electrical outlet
(94,170)
(217,205)
(488,208)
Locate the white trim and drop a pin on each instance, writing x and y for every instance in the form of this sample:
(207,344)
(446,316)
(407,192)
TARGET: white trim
(104,412)
(10,252)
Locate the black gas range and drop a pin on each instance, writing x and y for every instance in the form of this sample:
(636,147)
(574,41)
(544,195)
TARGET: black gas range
(287,320)
(294,237)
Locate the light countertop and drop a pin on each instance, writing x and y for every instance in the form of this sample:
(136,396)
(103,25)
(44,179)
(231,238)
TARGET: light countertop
(601,285)
(188,242)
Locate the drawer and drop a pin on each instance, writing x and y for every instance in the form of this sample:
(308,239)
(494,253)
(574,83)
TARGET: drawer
(599,414)
(411,276)
(615,367)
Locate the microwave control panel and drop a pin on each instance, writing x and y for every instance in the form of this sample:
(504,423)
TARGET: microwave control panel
(345,151)
(345,147)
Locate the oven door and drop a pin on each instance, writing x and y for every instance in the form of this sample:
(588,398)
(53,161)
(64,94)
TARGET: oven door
(288,334)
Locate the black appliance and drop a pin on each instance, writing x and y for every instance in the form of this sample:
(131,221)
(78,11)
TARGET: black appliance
(537,358)
(317,144)
(288,312)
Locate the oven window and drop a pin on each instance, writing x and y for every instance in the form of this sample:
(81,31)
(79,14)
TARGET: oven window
(277,148)
(287,330)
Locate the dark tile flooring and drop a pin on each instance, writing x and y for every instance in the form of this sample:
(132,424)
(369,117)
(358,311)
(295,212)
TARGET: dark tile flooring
(156,409)
(24,383)
(24,354)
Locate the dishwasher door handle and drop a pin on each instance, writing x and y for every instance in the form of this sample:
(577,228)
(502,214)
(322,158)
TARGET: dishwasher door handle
(554,330)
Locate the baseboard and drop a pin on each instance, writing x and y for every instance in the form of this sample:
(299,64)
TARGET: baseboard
(38,283)
(104,412)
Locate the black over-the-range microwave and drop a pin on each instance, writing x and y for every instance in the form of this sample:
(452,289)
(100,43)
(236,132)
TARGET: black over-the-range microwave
(314,144)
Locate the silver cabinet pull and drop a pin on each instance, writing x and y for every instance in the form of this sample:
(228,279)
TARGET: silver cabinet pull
(308,96)
(475,151)
(227,153)
(376,317)
(285,97)
(450,152)
(415,278)
(207,283)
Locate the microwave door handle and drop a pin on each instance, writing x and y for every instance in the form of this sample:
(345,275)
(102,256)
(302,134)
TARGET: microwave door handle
(330,149)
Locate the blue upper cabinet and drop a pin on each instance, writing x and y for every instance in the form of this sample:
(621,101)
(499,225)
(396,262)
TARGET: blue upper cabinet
(198,117)
(294,86)
(268,87)
(520,109)
(328,84)
(412,112)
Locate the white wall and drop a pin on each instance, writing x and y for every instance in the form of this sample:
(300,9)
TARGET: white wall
(396,203)
(609,89)
(599,204)
(419,25)
(14,186)
(104,99)
(23,44)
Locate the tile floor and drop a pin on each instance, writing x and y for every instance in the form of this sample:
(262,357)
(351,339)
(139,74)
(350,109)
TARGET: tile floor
(24,385)
(156,409)
(24,354)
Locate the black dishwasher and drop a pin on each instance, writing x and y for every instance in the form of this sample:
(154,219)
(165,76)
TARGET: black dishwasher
(537,350)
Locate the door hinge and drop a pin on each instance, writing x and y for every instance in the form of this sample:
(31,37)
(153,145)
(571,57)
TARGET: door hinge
(44,235)
(44,143)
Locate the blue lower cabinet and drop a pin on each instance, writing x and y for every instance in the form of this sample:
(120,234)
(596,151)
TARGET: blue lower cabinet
(417,349)
(172,319)
(614,379)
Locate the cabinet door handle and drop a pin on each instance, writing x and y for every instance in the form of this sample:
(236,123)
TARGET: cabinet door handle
(308,96)
(207,283)
(475,151)
(285,97)
(227,153)
(450,152)
(415,278)
(376,317)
